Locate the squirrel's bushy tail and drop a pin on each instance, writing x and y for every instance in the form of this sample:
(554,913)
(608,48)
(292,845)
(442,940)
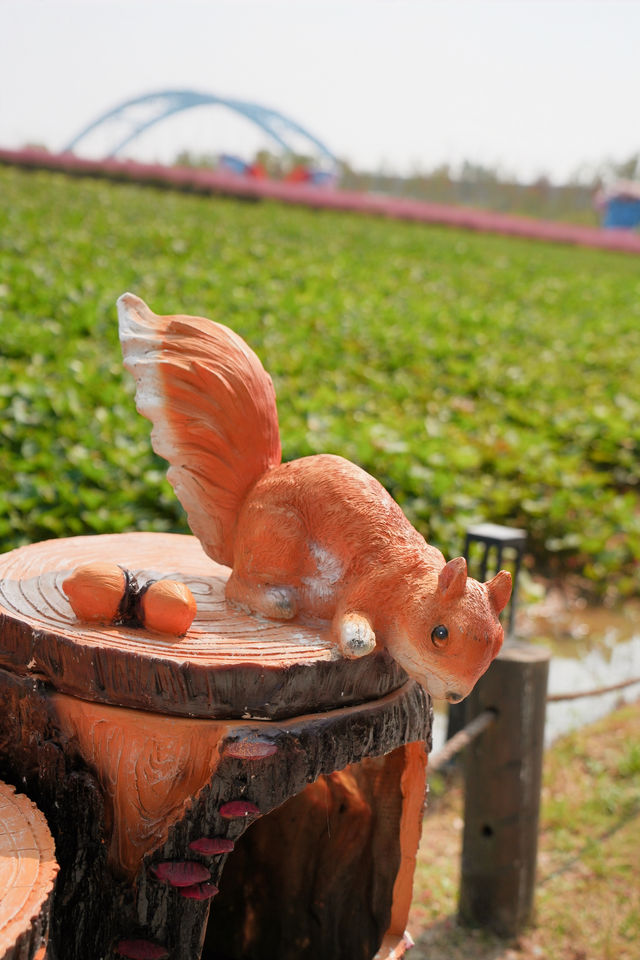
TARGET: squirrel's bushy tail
(213,410)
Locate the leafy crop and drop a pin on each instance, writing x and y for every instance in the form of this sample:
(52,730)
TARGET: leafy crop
(478,377)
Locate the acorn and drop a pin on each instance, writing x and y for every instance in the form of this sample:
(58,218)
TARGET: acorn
(96,591)
(167,607)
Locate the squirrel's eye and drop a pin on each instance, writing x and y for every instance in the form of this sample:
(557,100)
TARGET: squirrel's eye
(439,635)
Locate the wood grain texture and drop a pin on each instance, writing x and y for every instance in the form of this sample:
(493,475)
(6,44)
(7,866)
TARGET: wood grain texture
(91,782)
(149,767)
(412,787)
(28,870)
(229,664)
(503,782)
(336,850)
(331,851)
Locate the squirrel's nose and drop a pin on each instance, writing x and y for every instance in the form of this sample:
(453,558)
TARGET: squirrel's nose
(454,697)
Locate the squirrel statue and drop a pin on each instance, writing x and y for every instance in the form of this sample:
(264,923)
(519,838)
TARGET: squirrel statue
(317,537)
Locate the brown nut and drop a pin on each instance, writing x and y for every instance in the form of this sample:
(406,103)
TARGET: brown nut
(95,591)
(168,607)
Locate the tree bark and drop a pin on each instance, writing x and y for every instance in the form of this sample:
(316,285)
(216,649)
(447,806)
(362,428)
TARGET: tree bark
(154,809)
(113,897)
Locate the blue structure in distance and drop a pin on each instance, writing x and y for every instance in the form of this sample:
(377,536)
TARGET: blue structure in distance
(141,113)
(620,205)
(622,213)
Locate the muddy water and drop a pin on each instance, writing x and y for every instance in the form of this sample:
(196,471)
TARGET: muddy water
(590,647)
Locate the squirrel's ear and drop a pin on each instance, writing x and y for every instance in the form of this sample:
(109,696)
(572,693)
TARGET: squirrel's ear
(499,590)
(452,580)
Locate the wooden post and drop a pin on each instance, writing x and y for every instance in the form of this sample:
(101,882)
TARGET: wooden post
(503,771)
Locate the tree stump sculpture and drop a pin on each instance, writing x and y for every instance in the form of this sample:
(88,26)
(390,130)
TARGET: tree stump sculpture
(247,757)
(28,870)
(253,788)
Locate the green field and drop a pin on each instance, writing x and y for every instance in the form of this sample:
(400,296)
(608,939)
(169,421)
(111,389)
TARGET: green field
(478,377)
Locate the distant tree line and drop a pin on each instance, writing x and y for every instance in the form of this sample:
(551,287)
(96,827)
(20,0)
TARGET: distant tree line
(469,184)
(480,186)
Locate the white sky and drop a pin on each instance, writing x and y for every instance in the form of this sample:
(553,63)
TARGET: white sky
(530,87)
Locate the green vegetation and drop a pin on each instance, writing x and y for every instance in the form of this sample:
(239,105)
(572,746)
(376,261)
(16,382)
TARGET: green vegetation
(476,376)
(587,901)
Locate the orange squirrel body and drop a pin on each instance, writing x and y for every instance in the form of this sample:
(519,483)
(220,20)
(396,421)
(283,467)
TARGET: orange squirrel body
(317,537)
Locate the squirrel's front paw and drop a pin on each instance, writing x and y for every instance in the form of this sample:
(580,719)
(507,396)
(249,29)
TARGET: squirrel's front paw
(355,636)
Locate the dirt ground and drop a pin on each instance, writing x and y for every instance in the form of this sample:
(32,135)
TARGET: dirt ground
(587,903)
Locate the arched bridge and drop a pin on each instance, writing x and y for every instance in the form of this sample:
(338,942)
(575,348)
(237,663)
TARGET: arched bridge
(139,114)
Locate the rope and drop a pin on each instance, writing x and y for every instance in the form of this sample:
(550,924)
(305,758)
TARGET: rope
(556,697)
(461,740)
(480,723)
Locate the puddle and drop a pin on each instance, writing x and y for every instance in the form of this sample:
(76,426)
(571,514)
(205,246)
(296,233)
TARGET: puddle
(591,647)
(595,668)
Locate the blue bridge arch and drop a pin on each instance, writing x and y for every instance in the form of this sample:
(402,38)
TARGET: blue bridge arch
(141,113)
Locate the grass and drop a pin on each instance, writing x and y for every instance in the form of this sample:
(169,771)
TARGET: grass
(478,377)
(588,889)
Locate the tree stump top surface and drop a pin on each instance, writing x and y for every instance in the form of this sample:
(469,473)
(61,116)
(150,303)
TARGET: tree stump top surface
(28,866)
(228,665)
